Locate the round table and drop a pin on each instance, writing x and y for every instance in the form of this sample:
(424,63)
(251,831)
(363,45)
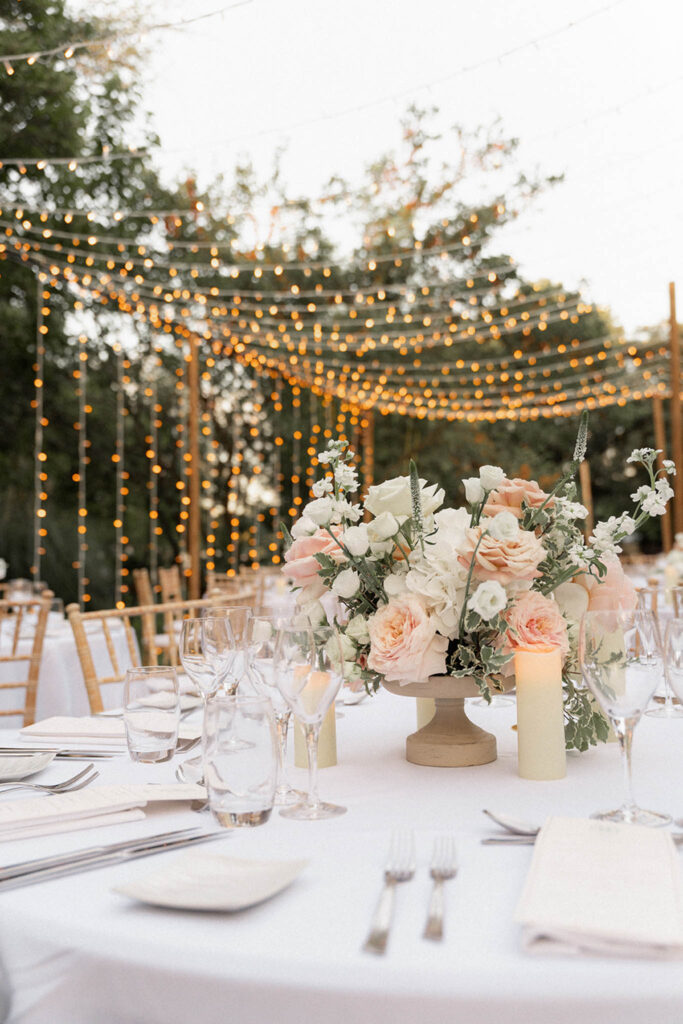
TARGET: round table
(78,953)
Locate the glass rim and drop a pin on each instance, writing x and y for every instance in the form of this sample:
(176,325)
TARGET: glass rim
(237,698)
(151,669)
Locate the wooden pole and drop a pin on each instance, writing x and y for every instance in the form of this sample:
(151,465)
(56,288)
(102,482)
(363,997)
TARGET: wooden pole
(660,444)
(676,425)
(586,496)
(193,472)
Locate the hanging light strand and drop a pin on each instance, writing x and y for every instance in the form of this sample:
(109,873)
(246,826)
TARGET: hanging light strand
(118,458)
(40,458)
(81,375)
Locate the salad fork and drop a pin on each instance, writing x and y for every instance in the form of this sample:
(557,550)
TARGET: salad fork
(400,867)
(444,866)
(78,781)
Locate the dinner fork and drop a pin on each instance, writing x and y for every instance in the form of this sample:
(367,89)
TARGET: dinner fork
(78,781)
(444,866)
(400,867)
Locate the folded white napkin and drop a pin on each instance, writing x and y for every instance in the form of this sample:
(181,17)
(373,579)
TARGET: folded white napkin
(603,888)
(105,732)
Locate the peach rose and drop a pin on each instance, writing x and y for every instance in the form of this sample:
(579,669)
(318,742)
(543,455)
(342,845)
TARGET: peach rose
(536,621)
(510,495)
(301,566)
(514,558)
(404,644)
(615,591)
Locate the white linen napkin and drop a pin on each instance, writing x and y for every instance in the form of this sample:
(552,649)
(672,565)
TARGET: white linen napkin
(602,888)
(105,732)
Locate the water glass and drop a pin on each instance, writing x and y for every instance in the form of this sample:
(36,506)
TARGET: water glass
(621,662)
(240,759)
(653,600)
(308,673)
(151,712)
(673,655)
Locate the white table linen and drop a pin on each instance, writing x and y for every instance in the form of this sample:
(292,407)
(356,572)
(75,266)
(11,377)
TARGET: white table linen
(77,953)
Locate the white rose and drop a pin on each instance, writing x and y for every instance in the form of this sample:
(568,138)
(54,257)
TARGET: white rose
(320,511)
(303,527)
(348,648)
(356,540)
(311,612)
(474,492)
(488,599)
(491,477)
(382,528)
(357,629)
(504,526)
(346,584)
(394,496)
(572,600)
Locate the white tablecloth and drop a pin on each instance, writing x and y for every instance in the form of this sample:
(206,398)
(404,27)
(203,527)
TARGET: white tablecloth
(61,689)
(77,953)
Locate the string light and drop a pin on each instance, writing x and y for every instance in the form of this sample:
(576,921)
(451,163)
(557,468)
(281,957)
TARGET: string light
(118,458)
(40,464)
(81,376)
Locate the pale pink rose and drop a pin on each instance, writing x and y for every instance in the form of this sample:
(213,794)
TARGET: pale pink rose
(510,495)
(404,644)
(503,560)
(301,567)
(615,591)
(536,621)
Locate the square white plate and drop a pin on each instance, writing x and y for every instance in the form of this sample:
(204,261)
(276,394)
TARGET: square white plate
(21,766)
(209,881)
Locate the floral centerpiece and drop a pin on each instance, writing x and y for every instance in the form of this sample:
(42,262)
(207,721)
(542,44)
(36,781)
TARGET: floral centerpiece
(427,590)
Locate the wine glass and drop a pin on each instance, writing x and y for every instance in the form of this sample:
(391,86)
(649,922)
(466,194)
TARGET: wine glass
(261,637)
(621,661)
(673,655)
(199,668)
(219,647)
(308,673)
(237,617)
(651,600)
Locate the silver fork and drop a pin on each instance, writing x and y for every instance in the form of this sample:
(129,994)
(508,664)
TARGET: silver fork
(400,867)
(78,781)
(444,866)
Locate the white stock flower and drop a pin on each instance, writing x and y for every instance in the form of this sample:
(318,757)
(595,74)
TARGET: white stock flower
(641,493)
(303,527)
(491,477)
(322,487)
(488,599)
(356,540)
(642,455)
(346,477)
(345,510)
(503,526)
(474,492)
(655,503)
(669,466)
(394,496)
(320,511)
(566,509)
(346,584)
(357,629)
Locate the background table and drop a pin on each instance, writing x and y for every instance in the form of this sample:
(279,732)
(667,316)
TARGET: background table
(78,953)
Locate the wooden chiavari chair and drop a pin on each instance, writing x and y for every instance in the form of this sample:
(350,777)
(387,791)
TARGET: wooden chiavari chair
(171,614)
(171,584)
(29,616)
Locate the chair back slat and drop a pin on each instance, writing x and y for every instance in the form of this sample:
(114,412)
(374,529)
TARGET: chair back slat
(171,584)
(14,615)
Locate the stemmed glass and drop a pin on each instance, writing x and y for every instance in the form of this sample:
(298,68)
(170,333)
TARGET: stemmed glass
(673,655)
(261,639)
(308,673)
(219,646)
(198,665)
(650,600)
(621,661)
(237,618)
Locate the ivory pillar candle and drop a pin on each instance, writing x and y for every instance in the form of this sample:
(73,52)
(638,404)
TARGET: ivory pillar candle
(426,709)
(540,719)
(327,742)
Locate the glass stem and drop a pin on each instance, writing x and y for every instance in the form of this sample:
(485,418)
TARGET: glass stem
(282,724)
(624,731)
(312,732)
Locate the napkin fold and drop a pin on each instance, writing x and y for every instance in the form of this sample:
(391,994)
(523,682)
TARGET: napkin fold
(596,887)
(107,732)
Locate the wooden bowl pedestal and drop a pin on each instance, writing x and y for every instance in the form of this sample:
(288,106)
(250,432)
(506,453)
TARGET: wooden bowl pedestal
(450,740)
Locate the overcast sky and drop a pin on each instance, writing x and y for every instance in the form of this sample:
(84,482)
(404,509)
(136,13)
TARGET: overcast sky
(599,102)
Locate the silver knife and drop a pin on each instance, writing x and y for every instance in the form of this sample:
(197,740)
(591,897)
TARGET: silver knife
(74,755)
(105,860)
(530,840)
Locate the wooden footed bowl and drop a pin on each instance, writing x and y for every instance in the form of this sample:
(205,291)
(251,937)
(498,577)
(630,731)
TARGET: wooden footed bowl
(450,739)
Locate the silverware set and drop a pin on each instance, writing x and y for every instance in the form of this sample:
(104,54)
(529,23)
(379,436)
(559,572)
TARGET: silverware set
(76,782)
(28,872)
(522,833)
(400,867)
(61,755)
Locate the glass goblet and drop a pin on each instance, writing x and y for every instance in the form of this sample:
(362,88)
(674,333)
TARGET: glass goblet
(262,632)
(199,668)
(653,601)
(621,662)
(220,648)
(673,656)
(237,616)
(308,674)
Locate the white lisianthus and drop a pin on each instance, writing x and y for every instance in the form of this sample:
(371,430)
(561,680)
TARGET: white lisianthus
(382,528)
(572,600)
(303,527)
(503,526)
(356,541)
(491,477)
(322,487)
(394,496)
(357,629)
(474,492)
(346,584)
(488,600)
(348,647)
(320,511)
